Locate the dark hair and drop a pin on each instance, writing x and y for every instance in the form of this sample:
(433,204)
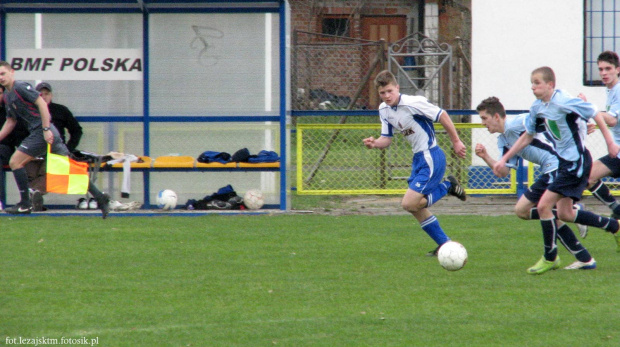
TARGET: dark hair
(547,74)
(491,105)
(384,78)
(609,57)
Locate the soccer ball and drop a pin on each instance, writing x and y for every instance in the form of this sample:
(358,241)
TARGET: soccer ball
(452,256)
(167,199)
(253,199)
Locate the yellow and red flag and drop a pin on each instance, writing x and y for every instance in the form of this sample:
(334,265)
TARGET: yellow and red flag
(65,175)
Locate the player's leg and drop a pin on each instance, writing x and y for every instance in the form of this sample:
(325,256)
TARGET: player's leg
(103,199)
(5,155)
(550,259)
(524,207)
(426,177)
(427,220)
(605,167)
(17,162)
(569,240)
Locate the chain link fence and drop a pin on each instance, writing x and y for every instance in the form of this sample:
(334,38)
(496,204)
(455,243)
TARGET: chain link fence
(331,160)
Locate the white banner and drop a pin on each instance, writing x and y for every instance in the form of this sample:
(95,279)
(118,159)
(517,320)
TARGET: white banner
(76,64)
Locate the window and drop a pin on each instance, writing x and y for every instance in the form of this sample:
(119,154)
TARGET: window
(337,26)
(602,23)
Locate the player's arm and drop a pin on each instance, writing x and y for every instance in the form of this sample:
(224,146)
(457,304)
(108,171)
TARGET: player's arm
(521,143)
(381,142)
(7,127)
(457,145)
(46,119)
(612,147)
(481,152)
(609,119)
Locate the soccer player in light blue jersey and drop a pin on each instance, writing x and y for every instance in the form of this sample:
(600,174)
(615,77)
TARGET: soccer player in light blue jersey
(540,151)
(413,117)
(608,166)
(564,118)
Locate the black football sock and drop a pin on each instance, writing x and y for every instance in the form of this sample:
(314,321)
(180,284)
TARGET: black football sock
(21,178)
(570,241)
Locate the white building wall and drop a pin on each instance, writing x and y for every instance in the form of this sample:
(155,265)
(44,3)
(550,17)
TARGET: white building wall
(512,38)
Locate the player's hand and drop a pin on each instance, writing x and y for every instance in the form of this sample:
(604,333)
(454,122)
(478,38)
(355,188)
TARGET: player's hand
(582,97)
(498,166)
(369,142)
(480,150)
(460,149)
(591,128)
(49,136)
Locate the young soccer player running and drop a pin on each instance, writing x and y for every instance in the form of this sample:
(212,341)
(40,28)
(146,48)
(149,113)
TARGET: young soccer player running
(413,117)
(23,101)
(540,152)
(608,166)
(564,118)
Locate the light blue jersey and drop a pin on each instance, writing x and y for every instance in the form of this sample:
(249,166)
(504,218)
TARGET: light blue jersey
(540,151)
(613,108)
(565,119)
(413,117)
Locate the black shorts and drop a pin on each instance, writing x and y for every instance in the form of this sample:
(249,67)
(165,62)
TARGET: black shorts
(35,145)
(613,164)
(572,177)
(536,190)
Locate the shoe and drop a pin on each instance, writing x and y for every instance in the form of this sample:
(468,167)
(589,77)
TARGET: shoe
(104,204)
(433,253)
(1,208)
(456,189)
(583,229)
(614,215)
(20,208)
(92,204)
(544,265)
(37,200)
(82,204)
(578,265)
(617,237)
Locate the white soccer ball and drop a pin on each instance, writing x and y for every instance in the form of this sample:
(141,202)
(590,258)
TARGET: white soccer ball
(167,199)
(253,199)
(452,256)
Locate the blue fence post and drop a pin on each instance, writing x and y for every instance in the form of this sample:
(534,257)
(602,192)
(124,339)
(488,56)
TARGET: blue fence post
(521,178)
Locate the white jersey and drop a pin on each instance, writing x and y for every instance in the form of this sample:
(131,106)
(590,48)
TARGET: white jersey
(413,117)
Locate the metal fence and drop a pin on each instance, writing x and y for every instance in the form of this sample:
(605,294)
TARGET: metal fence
(331,160)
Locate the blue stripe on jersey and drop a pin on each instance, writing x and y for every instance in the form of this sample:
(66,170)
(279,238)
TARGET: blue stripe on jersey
(572,120)
(427,125)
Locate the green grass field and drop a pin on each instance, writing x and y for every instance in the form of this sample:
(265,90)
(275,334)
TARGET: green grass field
(297,280)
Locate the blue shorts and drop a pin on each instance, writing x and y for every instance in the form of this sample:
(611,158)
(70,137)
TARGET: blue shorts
(572,177)
(427,170)
(536,190)
(613,164)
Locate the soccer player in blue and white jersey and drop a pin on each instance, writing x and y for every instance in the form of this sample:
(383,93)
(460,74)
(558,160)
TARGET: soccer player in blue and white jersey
(564,118)
(413,117)
(608,166)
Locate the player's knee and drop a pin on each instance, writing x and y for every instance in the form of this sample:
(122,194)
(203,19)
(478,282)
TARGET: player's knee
(410,206)
(567,216)
(522,213)
(15,164)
